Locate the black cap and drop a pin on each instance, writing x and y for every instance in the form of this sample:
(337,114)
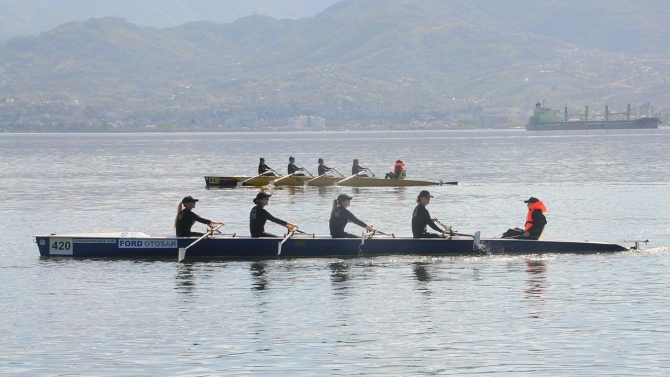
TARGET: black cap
(262,195)
(343,197)
(291,158)
(399,161)
(189,199)
(425,193)
(532,199)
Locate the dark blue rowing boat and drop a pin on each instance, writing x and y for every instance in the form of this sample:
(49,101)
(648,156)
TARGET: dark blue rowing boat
(140,245)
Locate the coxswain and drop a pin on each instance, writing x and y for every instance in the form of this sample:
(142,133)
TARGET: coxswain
(323,169)
(293,168)
(259,216)
(186,218)
(356,169)
(421,218)
(535,221)
(340,217)
(264,169)
(397,170)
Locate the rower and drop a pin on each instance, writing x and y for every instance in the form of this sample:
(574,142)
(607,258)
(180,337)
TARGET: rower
(535,221)
(340,217)
(259,216)
(323,169)
(356,169)
(293,168)
(421,218)
(264,169)
(186,218)
(398,171)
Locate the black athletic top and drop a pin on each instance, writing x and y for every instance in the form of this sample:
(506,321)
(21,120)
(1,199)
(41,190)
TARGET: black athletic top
(257,219)
(185,221)
(292,168)
(339,218)
(421,219)
(323,169)
(262,168)
(355,169)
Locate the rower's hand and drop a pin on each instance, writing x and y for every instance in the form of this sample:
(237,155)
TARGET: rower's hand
(370,229)
(291,226)
(214,224)
(434,219)
(526,234)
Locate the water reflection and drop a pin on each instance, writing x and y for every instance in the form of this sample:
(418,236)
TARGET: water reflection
(537,280)
(339,272)
(421,272)
(258,274)
(185,279)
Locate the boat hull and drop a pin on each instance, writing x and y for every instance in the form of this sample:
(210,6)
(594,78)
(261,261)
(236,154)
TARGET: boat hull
(642,123)
(240,180)
(138,245)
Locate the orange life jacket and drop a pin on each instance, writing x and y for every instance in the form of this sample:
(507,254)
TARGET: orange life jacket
(529,216)
(397,168)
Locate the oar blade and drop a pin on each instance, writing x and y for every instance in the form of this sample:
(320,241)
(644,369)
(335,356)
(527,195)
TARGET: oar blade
(279,249)
(477,239)
(182,254)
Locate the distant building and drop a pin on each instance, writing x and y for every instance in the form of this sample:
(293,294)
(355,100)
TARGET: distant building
(492,121)
(306,122)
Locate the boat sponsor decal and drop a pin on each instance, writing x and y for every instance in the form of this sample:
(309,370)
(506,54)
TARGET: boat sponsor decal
(94,240)
(60,246)
(147,244)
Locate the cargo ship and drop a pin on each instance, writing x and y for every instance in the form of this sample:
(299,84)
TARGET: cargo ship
(547,119)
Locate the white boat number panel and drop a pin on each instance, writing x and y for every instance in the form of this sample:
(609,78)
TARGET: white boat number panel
(60,246)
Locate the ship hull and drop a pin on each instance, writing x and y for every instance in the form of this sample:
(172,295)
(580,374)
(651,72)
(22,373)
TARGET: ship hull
(642,123)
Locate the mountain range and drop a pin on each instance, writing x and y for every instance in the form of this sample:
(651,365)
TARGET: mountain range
(30,17)
(377,56)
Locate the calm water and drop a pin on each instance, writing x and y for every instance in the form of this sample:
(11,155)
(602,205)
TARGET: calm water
(551,315)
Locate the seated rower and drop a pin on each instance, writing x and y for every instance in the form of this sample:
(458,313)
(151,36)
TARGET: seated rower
(259,216)
(340,217)
(323,169)
(293,168)
(264,169)
(421,218)
(397,172)
(535,221)
(356,169)
(186,218)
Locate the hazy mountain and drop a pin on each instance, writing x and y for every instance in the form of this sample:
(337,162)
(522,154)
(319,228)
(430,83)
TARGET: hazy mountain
(29,17)
(391,55)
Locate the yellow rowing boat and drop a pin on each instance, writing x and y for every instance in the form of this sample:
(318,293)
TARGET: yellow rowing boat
(294,180)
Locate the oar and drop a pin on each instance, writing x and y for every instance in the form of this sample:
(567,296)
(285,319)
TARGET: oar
(307,171)
(335,170)
(182,250)
(286,176)
(476,237)
(321,176)
(373,174)
(290,233)
(345,179)
(239,184)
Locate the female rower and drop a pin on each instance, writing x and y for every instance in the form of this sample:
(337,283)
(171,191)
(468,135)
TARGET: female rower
(421,218)
(323,169)
(264,169)
(259,216)
(357,169)
(340,217)
(186,218)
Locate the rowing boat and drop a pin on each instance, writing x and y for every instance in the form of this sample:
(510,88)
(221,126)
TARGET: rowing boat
(140,245)
(259,181)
